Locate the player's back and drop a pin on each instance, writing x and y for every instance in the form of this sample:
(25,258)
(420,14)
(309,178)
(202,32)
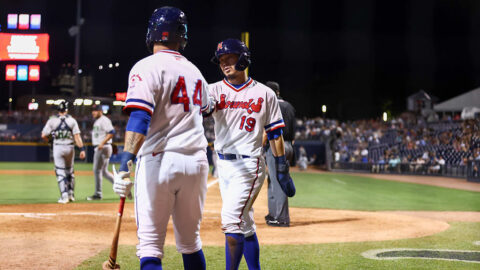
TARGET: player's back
(172,90)
(62,128)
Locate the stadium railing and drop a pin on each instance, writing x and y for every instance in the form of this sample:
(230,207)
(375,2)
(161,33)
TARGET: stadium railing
(457,171)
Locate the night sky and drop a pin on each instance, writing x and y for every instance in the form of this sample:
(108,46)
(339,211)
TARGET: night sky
(359,57)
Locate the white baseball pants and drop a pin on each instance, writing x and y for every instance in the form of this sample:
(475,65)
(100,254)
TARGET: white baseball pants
(240,182)
(175,184)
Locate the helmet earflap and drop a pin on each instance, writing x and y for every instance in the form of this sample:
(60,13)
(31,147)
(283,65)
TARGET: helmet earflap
(243,62)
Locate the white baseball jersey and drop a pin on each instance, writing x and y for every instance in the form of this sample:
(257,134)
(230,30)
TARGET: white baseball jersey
(242,114)
(62,128)
(174,92)
(101,127)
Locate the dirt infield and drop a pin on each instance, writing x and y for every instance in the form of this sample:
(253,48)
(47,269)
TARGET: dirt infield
(54,236)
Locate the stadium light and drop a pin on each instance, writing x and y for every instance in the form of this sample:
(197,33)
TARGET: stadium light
(58,101)
(110,65)
(118,103)
(324,108)
(22,72)
(80,71)
(385,117)
(97,102)
(117,64)
(23,21)
(33,72)
(10,100)
(100,67)
(78,102)
(32,106)
(87,102)
(12,21)
(50,101)
(11,72)
(35,20)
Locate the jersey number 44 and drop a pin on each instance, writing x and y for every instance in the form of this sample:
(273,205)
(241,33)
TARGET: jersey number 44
(180,95)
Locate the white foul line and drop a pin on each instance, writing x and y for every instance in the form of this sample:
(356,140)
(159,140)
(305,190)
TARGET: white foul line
(212,183)
(338,181)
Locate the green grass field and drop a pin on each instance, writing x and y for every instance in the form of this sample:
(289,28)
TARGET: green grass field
(335,191)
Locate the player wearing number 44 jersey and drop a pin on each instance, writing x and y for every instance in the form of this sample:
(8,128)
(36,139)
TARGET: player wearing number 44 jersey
(245,109)
(165,98)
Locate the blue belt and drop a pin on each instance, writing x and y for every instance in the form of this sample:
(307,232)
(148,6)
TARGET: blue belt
(231,156)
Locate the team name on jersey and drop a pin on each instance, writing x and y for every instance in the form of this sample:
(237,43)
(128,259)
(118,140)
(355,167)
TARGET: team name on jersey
(249,105)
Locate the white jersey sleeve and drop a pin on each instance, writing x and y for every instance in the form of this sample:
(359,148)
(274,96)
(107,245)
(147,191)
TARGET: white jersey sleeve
(140,94)
(274,118)
(47,129)
(74,125)
(108,125)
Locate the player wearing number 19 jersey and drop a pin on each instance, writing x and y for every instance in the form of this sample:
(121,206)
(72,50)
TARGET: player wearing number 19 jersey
(166,96)
(245,109)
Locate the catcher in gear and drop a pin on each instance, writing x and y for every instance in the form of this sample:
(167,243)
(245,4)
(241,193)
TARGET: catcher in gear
(64,130)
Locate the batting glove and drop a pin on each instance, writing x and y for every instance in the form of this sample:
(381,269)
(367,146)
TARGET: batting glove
(283,176)
(121,181)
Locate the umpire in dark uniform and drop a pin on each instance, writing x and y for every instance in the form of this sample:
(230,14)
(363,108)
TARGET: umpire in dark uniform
(278,215)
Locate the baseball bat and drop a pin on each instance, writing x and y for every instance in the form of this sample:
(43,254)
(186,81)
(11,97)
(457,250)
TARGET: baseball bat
(111,263)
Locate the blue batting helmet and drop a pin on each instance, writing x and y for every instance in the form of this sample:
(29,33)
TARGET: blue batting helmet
(234,46)
(167,24)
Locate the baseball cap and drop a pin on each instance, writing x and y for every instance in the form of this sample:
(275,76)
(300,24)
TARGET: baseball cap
(96,107)
(273,85)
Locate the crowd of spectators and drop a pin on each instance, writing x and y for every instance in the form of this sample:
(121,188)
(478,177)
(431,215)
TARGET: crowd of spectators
(402,144)
(399,145)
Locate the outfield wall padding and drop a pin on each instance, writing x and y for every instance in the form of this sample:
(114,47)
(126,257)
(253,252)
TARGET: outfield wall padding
(30,153)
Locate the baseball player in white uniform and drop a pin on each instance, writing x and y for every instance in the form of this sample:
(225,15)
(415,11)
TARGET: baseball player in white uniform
(165,99)
(245,109)
(64,131)
(102,134)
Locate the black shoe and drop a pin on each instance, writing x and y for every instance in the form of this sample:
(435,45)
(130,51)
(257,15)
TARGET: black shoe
(94,197)
(276,223)
(268,217)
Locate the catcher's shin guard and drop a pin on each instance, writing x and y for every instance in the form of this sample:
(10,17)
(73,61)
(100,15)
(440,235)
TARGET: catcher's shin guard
(70,181)
(62,180)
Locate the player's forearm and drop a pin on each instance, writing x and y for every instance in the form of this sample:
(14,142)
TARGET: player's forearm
(45,137)
(264,138)
(78,140)
(133,142)
(107,138)
(277,146)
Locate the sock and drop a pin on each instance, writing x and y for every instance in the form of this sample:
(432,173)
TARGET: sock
(150,263)
(233,250)
(194,261)
(251,251)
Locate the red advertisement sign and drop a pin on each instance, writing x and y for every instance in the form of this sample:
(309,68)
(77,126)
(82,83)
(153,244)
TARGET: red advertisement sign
(34,73)
(121,96)
(30,47)
(11,72)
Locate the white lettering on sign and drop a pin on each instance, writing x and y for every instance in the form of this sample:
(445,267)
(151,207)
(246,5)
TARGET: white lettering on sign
(23,47)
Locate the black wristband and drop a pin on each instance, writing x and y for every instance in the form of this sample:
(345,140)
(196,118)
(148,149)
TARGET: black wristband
(82,148)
